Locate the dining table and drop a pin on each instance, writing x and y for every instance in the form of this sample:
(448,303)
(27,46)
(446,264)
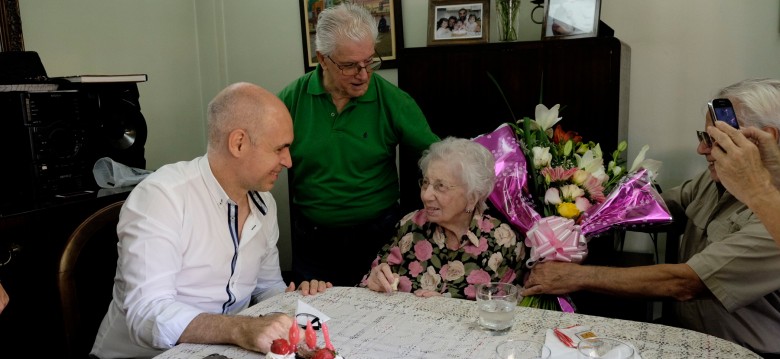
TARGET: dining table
(366,324)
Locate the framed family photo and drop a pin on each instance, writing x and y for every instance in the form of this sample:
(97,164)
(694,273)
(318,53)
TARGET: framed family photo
(389,24)
(458,22)
(570,19)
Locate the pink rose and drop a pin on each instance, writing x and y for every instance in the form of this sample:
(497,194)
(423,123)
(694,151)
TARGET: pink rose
(485,225)
(478,276)
(420,218)
(476,250)
(470,292)
(415,269)
(404,284)
(395,256)
(509,276)
(375,262)
(423,250)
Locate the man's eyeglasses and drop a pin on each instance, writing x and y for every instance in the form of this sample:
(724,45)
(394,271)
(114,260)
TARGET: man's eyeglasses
(303,318)
(438,186)
(704,137)
(354,68)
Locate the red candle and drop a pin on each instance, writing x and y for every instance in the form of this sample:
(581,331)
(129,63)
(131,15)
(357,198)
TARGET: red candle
(311,336)
(294,335)
(325,333)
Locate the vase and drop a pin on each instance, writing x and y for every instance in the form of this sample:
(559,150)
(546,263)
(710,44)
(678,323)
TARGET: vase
(508,21)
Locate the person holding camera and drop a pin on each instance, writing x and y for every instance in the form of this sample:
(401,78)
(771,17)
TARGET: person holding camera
(728,281)
(748,164)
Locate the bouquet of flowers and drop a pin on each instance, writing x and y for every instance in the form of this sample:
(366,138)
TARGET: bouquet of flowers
(553,186)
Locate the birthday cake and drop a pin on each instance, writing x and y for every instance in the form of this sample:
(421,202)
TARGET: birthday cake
(290,348)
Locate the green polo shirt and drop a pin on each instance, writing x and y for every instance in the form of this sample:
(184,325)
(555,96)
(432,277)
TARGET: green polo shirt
(344,166)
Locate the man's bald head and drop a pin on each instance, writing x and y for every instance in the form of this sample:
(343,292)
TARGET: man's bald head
(240,106)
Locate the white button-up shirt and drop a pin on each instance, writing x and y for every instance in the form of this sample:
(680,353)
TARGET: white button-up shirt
(179,256)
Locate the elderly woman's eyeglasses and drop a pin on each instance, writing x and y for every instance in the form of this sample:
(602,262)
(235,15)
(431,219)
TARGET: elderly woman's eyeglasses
(438,186)
(354,68)
(704,137)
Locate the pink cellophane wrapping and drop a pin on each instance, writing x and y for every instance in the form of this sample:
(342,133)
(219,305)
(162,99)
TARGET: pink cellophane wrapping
(511,177)
(634,201)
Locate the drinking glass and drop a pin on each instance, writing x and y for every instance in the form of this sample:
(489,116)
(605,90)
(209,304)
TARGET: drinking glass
(604,348)
(496,304)
(522,349)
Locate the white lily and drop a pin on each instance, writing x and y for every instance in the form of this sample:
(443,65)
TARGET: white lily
(547,118)
(641,162)
(592,163)
(542,156)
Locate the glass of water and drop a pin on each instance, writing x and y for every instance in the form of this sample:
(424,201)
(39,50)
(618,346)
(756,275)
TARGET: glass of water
(496,304)
(522,349)
(604,348)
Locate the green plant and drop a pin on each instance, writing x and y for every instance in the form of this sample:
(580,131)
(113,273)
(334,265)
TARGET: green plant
(507,16)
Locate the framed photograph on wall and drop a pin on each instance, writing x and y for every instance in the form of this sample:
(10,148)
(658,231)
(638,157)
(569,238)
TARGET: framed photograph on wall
(458,22)
(570,19)
(388,17)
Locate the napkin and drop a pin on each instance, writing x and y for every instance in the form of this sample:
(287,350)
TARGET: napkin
(558,350)
(304,308)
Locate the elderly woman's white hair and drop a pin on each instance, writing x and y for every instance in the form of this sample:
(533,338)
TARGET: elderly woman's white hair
(347,21)
(471,161)
(759,101)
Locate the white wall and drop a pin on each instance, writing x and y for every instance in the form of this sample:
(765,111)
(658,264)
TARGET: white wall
(682,52)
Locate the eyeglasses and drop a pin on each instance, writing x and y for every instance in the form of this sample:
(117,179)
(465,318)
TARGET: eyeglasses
(704,137)
(354,68)
(303,318)
(438,186)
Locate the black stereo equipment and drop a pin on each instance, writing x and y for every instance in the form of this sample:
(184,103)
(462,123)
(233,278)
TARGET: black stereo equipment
(53,138)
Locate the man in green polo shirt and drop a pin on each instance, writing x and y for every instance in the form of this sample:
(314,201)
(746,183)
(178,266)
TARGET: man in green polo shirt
(347,123)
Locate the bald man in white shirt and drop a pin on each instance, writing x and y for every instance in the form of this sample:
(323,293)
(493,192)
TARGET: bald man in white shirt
(197,239)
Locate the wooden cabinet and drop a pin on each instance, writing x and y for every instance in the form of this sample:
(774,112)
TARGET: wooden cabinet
(31,242)
(452,85)
(588,77)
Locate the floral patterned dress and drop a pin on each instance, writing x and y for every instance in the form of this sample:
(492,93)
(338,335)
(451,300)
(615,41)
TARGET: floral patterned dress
(489,252)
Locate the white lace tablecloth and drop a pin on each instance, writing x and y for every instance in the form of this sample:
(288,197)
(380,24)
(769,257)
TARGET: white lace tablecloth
(366,324)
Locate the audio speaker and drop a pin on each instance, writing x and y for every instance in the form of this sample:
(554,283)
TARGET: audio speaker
(119,130)
(53,138)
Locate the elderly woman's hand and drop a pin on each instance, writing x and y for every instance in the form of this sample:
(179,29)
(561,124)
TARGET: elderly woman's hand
(423,293)
(382,278)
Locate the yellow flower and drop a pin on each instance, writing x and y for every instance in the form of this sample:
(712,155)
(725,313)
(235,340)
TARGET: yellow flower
(568,210)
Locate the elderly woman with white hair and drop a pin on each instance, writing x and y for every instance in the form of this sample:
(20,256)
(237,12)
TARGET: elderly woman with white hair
(450,245)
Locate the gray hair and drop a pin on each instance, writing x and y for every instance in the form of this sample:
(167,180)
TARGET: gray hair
(344,22)
(472,161)
(759,100)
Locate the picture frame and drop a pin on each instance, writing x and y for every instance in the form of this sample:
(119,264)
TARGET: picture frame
(389,42)
(471,32)
(570,19)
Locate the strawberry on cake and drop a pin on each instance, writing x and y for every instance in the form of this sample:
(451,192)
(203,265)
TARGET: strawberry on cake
(290,349)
